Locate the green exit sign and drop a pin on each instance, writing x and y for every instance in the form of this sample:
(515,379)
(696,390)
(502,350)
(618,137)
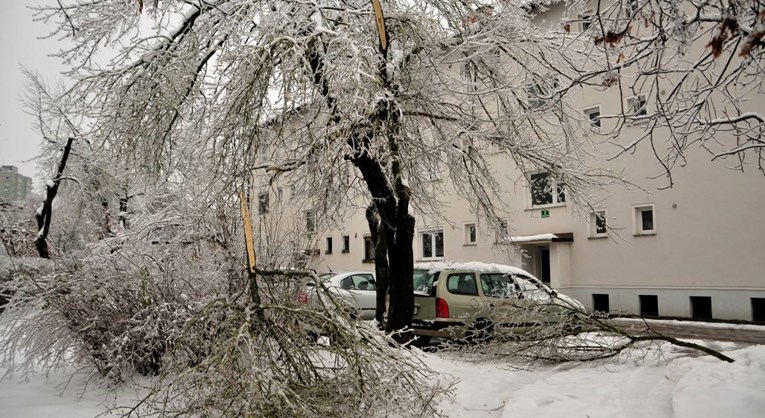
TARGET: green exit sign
(545,213)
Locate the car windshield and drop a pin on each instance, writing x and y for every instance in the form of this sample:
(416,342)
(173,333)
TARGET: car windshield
(324,277)
(528,284)
(423,282)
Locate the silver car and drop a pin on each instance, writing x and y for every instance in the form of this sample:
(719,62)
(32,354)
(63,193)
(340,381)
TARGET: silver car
(357,288)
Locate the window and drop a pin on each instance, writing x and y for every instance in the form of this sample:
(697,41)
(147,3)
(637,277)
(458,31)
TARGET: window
(598,227)
(758,309)
(469,73)
(329,246)
(585,20)
(701,307)
(593,114)
(432,244)
(346,283)
(279,194)
(358,282)
(263,203)
(369,250)
(498,285)
(471,234)
(636,106)
(600,303)
(540,92)
(545,190)
(645,223)
(462,284)
(649,305)
(310,221)
(503,234)
(632,8)
(346,244)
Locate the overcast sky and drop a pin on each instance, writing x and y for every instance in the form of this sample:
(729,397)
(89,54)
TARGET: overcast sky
(20,44)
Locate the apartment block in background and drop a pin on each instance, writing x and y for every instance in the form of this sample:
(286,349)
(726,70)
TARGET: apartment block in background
(14,186)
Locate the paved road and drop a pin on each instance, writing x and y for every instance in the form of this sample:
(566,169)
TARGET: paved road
(703,331)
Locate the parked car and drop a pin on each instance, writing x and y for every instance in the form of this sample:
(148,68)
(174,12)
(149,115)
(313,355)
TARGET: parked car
(356,288)
(457,300)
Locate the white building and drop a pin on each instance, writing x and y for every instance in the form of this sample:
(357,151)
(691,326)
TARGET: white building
(692,250)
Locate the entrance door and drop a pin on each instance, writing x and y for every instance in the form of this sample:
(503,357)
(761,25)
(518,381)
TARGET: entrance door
(543,268)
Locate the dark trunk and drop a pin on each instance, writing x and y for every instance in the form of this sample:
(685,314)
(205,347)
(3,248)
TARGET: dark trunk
(44,215)
(382,269)
(393,231)
(401,271)
(397,229)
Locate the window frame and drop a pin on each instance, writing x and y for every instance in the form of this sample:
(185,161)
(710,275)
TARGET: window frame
(346,244)
(368,241)
(649,305)
(433,233)
(632,7)
(502,235)
(585,19)
(263,203)
(601,300)
(594,216)
(556,190)
(637,99)
(698,307)
(461,275)
(311,221)
(329,246)
(537,89)
(595,123)
(637,220)
(469,237)
(511,288)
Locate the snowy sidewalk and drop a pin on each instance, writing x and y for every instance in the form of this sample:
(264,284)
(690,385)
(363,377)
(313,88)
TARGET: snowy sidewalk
(715,331)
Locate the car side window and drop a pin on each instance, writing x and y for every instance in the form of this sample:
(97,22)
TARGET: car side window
(462,284)
(496,285)
(364,282)
(347,283)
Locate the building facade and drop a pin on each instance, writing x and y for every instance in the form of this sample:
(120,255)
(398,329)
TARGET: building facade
(692,250)
(14,186)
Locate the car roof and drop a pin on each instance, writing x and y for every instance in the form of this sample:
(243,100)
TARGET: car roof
(471,266)
(347,273)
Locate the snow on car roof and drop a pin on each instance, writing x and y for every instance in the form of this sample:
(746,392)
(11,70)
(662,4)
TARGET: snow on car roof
(470,265)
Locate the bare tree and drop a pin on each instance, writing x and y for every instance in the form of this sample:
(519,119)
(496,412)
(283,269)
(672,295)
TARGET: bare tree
(336,108)
(689,73)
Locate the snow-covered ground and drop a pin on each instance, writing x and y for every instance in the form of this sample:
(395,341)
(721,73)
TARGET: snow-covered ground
(678,384)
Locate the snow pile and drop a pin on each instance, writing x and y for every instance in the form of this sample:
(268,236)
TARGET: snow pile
(533,238)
